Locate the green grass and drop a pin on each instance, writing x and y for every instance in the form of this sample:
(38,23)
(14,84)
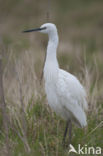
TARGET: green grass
(80,52)
(45,132)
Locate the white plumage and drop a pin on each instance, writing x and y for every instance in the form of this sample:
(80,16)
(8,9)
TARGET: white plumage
(66,96)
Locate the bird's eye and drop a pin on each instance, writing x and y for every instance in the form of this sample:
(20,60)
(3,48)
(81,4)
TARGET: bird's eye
(43,28)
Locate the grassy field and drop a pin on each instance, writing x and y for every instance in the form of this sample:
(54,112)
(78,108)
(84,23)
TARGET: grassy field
(33,128)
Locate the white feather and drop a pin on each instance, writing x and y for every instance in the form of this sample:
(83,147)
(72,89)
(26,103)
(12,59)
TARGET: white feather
(66,96)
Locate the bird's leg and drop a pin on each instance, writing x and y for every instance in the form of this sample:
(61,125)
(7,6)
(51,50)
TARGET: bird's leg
(65,132)
(70,132)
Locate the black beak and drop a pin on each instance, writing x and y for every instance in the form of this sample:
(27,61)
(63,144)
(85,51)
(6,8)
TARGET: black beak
(31,30)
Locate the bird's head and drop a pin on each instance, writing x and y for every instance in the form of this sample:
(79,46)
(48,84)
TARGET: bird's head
(47,28)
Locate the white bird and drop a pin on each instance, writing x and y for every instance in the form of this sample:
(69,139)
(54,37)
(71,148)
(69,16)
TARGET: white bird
(65,94)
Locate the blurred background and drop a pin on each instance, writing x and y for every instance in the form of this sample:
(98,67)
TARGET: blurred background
(79,23)
(80,28)
(80,51)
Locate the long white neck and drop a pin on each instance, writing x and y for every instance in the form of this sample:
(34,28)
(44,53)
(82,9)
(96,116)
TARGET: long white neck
(52,49)
(51,63)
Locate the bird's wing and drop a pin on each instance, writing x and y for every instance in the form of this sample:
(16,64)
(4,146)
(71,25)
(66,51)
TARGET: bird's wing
(72,94)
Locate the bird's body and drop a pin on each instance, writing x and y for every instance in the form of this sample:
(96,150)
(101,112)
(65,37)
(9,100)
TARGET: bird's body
(65,94)
(66,97)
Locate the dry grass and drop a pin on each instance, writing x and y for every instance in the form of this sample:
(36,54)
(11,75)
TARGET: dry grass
(36,111)
(32,124)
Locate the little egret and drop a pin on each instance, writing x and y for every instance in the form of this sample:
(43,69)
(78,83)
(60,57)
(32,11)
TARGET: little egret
(65,94)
